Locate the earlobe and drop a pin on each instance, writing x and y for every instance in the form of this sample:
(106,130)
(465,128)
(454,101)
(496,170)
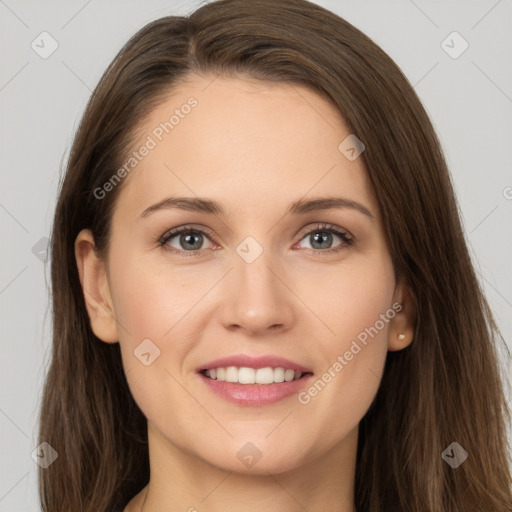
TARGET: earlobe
(95,288)
(402,326)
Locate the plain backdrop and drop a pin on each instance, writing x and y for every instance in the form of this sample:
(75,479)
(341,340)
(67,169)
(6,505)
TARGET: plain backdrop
(468,97)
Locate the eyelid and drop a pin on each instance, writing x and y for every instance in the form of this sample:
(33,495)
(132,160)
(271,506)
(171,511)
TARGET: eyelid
(171,233)
(324,226)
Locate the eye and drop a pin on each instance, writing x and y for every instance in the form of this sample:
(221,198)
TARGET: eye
(320,238)
(187,239)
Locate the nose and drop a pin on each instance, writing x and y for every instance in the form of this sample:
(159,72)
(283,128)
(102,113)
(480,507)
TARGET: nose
(258,300)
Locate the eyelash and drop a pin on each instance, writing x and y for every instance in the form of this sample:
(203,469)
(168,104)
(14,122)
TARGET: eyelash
(346,238)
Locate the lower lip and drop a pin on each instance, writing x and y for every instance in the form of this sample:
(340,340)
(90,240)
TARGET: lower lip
(255,394)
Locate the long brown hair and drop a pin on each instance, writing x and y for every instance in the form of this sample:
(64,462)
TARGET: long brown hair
(445,387)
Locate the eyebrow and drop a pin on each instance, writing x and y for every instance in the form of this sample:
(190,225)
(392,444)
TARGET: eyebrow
(300,207)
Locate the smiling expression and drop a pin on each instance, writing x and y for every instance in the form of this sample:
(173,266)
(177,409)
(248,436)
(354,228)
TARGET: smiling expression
(246,232)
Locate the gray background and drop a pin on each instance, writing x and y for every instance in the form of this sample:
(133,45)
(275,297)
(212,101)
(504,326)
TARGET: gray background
(469,100)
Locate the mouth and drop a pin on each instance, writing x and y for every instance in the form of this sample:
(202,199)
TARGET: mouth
(254,387)
(246,375)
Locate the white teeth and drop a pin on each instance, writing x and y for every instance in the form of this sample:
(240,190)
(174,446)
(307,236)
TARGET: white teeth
(265,376)
(278,374)
(231,374)
(246,375)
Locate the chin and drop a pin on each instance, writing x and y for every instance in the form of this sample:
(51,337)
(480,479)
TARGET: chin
(257,457)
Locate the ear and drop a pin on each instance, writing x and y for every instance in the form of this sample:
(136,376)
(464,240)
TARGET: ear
(95,287)
(402,325)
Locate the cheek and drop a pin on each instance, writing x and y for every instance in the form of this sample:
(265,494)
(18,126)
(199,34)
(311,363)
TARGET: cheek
(350,300)
(145,310)
(149,301)
(155,311)
(356,308)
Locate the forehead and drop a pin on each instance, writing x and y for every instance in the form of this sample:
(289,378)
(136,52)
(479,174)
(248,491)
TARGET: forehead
(242,141)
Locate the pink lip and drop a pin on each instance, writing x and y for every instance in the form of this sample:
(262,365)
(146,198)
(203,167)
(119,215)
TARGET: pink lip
(255,395)
(255,362)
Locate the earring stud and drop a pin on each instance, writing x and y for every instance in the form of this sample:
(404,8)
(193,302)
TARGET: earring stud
(401,337)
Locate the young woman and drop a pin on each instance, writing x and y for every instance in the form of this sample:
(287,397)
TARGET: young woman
(262,294)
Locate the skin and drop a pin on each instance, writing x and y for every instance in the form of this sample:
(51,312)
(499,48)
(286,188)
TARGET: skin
(254,147)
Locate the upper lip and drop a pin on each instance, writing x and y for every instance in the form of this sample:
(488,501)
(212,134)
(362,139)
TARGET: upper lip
(244,360)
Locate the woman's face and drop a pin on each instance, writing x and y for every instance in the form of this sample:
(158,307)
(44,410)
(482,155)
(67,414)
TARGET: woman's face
(264,276)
